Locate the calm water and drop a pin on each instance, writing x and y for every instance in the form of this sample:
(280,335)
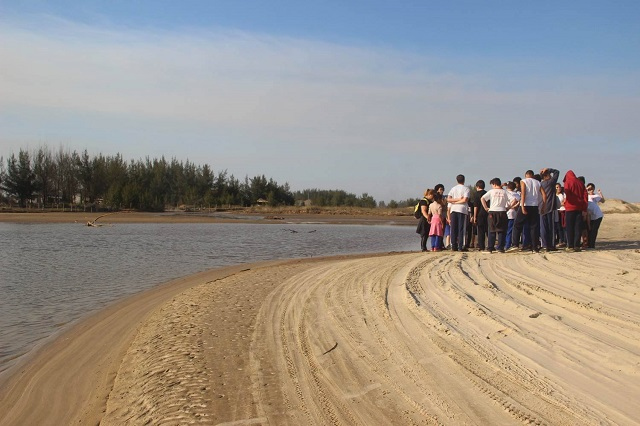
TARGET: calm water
(53,274)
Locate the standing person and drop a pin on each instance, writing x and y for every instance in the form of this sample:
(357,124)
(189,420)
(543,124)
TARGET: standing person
(423,223)
(532,196)
(458,198)
(592,195)
(525,230)
(585,218)
(497,214)
(469,237)
(439,188)
(437,214)
(512,212)
(480,216)
(594,212)
(547,217)
(517,181)
(447,229)
(561,231)
(575,205)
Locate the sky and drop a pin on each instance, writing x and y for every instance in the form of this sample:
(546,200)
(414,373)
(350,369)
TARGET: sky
(380,97)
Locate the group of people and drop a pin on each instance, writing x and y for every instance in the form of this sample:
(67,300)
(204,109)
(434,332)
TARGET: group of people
(535,214)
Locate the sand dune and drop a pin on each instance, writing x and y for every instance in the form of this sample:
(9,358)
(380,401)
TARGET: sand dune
(614,205)
(410,338)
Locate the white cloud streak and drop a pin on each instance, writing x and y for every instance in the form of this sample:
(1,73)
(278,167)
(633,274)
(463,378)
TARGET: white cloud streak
(281,93)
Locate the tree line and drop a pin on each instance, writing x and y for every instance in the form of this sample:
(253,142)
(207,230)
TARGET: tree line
(49,178)
(334,198)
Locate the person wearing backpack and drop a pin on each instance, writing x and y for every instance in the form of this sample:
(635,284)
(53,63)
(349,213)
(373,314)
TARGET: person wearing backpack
(422,212)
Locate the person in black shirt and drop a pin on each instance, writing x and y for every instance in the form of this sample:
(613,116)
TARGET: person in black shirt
(480,217)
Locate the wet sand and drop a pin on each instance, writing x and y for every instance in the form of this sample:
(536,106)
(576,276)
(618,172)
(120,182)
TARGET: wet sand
(408,338)
(253,216)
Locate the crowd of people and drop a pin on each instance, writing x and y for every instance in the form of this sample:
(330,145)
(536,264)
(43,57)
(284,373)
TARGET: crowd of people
(537,213)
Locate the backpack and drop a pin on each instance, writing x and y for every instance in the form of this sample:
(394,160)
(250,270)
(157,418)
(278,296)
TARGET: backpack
(417,211)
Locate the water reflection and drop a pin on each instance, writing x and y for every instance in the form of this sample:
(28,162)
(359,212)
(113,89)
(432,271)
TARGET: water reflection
(52,274)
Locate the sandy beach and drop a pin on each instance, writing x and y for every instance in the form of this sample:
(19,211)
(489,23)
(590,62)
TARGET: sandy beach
(396,338)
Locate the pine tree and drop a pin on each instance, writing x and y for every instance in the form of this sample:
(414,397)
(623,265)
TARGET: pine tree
(20,180)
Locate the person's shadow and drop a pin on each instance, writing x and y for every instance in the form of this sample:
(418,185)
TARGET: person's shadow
(617,245)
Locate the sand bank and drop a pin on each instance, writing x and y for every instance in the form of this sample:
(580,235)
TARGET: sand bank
(447,338)
(253,216)
(380,216)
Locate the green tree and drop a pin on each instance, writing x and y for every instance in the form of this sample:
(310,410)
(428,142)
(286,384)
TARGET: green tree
(132,188)
(157,184)
(100,179)
(204,185)
(233,192)
(65,181)
(366,201)
(2,177)
(44,169)
(20,181)
(84,167)
(258,188)
(176,183)
(117,176)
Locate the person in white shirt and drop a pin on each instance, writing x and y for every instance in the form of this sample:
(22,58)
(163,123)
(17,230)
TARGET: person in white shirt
(561,232)
(458,198)
(532,197)
(512,212)
(498,203)
(594,214)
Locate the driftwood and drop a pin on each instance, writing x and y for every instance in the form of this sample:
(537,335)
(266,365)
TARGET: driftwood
(93,222)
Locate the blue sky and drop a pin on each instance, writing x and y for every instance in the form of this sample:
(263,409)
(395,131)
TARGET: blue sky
(383,97)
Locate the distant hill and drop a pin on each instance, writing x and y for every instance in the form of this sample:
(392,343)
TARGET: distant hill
(614,205)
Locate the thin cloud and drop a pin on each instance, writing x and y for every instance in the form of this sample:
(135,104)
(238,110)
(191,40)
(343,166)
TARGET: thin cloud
(276,93)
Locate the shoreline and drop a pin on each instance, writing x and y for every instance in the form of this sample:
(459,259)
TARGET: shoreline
(181,218)
(43,370)
(441,338)
(48,359)
(335,216)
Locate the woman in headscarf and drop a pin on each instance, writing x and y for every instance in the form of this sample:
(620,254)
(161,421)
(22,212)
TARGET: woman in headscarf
(575,205)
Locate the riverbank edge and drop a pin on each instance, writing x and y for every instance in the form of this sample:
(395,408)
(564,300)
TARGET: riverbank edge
(216,217)
(77,367)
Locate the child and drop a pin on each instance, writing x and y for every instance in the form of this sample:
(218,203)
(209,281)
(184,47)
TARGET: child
(437,216)
(439,188)
(513,198)
(594,214)
(446,243)
(561,235)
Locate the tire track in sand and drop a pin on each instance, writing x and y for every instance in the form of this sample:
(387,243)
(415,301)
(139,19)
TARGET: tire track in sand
(399,339)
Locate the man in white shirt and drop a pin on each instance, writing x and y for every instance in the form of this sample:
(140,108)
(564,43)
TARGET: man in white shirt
(532,197)
(458,198)
(499,201)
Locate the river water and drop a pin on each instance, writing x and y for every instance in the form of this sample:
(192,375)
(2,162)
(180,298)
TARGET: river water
(54,274)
